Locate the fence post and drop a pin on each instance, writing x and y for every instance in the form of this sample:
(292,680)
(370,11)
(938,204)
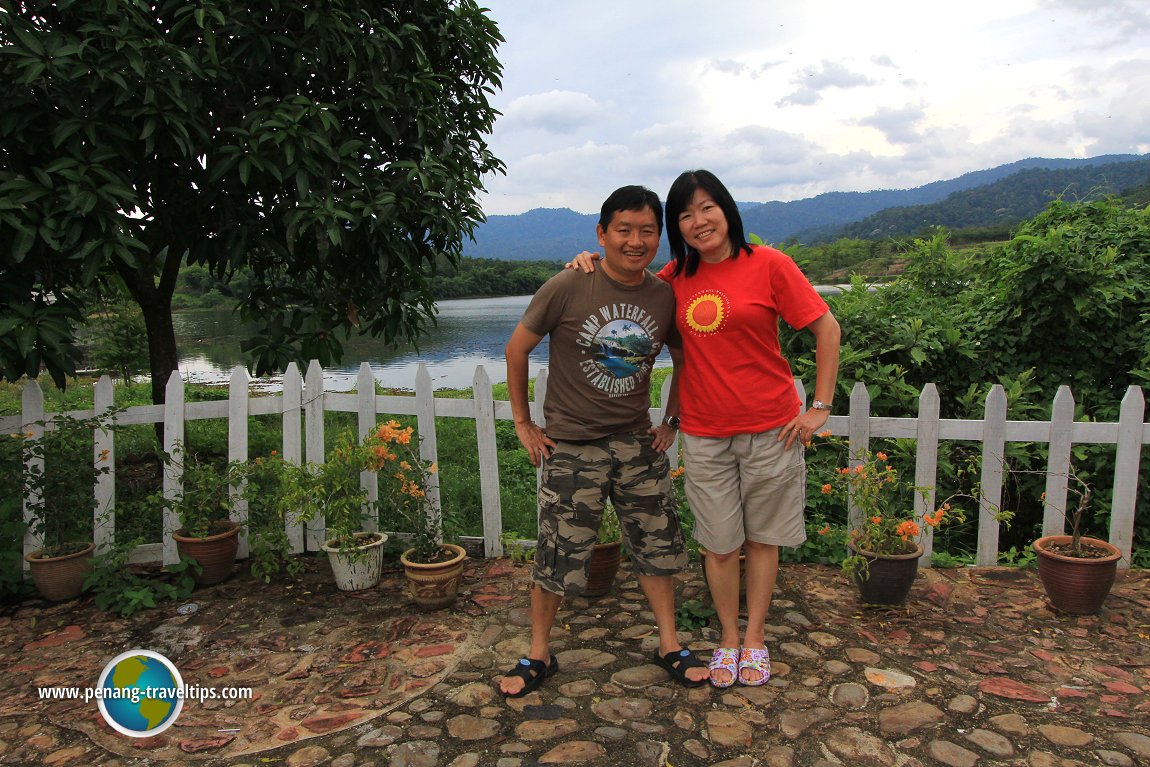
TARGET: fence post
(1058,464)
(32,410)
(292,446)
(993,460)
(1126,463)
(367,416)
(858,441)
(926,464)
(104,450)
(173,471)
(239,407)
(315,435)
(488,463)
(428,445)
(535,407)
(673,450)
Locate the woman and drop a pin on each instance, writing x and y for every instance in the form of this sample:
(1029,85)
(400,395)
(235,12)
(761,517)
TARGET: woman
(743,434)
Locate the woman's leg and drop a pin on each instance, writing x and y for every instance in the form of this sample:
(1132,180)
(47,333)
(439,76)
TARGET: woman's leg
(723,580)
(762,572)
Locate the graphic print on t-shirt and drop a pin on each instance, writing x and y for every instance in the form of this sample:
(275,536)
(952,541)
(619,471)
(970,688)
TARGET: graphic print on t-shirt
(707,311)
(618,348)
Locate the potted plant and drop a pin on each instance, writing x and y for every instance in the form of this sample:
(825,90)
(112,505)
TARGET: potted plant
(883,547)
(202,504)
(59,480)
(433,567)
(268,485)
(1077,571)
(605,555)
(332,491)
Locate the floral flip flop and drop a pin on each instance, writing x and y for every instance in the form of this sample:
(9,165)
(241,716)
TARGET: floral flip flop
(725,659)
(755,660)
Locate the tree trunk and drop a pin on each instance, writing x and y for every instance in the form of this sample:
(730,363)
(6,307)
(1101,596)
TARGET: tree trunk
(155,301)
(163,357)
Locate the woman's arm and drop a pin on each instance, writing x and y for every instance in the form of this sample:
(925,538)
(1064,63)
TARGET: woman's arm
(827,338)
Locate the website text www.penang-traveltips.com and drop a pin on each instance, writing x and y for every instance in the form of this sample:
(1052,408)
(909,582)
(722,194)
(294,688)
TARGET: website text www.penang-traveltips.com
(137,694)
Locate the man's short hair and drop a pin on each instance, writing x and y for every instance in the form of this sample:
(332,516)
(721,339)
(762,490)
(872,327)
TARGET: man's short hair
(631,198)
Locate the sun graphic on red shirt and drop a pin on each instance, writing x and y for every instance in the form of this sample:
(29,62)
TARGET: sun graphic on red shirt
(706,312)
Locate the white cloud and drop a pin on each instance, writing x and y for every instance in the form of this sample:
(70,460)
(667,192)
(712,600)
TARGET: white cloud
(782,104)
(561,112)
(897,125)
(812,81)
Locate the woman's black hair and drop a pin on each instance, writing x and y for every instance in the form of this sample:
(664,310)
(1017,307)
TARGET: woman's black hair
(677,200)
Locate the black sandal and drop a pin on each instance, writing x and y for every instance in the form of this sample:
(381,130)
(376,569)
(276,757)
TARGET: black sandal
(676,664)
(532,672)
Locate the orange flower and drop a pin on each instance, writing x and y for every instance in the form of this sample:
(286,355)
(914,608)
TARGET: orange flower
(824,434)
(881,457)
(907,530)
(876,520)
(827,489)
(678,472)
(824,529)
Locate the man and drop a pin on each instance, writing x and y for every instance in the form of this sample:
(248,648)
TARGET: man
(598,444)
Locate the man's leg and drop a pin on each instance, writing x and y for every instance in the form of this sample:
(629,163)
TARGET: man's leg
(646,508)
(544,607)
(570,507)
(660,591)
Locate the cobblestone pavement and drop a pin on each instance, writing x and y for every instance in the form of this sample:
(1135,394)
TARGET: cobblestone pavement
(975,670)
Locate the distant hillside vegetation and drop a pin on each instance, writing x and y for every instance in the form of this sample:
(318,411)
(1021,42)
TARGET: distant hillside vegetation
(557,234)
(540,234)
(1001,204)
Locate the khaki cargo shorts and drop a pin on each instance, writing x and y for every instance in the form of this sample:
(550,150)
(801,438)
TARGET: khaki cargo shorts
(746,487)
(578,479)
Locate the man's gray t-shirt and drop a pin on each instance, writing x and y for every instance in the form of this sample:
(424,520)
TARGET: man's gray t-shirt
(604,338)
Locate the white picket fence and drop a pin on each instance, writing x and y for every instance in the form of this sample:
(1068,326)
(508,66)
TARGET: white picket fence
(306,396)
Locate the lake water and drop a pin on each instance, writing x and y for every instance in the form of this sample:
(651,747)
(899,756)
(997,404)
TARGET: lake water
(470,332)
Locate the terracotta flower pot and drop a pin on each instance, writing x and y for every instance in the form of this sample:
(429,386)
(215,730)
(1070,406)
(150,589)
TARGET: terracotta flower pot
(1076,585)
(742,575)
(888,578)
(603,567)
(60,578)
(216,553)
(434,585)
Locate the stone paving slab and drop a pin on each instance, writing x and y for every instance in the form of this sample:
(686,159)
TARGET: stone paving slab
(976,669)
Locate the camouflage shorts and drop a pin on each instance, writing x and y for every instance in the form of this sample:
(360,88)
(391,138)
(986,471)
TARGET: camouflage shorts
(578,479)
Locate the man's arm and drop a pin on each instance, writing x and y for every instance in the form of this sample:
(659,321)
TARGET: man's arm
(517,352)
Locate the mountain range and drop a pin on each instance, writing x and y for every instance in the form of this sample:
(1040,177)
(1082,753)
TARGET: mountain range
(1004,194)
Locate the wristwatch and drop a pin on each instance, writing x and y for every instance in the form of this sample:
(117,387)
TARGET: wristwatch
(820,405)
(672,421)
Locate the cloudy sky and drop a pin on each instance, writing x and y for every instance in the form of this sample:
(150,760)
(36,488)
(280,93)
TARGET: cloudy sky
(787,100)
